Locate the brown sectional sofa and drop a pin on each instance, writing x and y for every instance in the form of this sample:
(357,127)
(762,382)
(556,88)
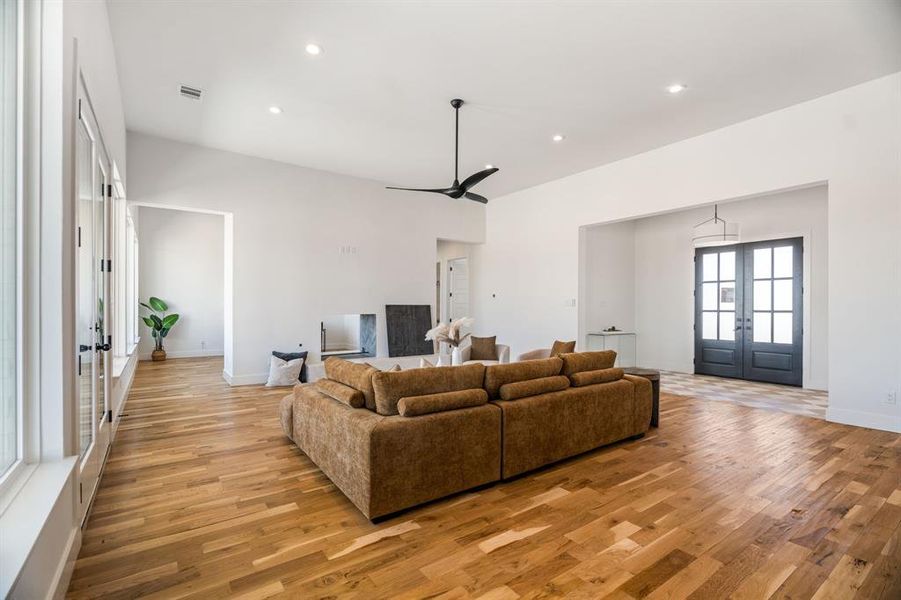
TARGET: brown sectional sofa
(392,440)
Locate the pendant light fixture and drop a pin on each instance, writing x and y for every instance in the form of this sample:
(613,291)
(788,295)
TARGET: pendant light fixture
(715,232)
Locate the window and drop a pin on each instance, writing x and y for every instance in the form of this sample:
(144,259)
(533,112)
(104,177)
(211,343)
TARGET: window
(10,430)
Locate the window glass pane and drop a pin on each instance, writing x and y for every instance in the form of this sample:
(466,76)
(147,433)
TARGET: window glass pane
(782,261)
(86,336)
(762,295)
(727,266)
(782,328)
(9,430)
(708,325)
(763,263)
(727,326)
(709,264)
(782,294)
(762,327)
(727,296)
(709,296)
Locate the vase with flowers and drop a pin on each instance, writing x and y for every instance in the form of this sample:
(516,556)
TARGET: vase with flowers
(452,335)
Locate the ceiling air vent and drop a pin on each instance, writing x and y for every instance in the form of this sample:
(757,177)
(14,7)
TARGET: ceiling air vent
(190,92)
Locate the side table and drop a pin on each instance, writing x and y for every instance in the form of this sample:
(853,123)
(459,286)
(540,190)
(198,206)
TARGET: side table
(653,376)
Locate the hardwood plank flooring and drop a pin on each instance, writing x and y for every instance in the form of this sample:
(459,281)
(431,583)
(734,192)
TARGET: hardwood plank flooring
(203,497)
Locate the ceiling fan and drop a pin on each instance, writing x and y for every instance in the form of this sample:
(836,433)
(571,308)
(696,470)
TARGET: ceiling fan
(457,189)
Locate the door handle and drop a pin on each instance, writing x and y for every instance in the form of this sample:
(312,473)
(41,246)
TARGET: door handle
(102,347)
(83,348)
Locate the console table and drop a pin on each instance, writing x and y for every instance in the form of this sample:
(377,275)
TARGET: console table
(653,376)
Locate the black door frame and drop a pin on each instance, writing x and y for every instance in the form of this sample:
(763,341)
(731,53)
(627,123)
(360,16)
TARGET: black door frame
(744,358)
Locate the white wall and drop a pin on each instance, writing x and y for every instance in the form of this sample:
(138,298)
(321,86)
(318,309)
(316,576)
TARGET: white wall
(289,223)
(850,139)
(608,272)
(183,262)
(664,280)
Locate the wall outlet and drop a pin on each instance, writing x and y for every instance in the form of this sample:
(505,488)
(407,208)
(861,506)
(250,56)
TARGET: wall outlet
(569,302)
(891,398)
(203,345)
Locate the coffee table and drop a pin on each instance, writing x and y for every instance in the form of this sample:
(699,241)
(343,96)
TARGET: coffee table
(653,376)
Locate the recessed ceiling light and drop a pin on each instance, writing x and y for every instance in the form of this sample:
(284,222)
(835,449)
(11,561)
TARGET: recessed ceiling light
(558,138)
(275,110)
(676,88)
(314,49)
(489,166)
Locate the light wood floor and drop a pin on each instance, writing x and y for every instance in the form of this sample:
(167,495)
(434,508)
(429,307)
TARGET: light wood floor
(203,497)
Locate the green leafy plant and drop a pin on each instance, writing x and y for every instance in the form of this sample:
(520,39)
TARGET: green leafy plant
(158,321)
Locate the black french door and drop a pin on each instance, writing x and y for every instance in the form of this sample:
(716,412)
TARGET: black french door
(748,311)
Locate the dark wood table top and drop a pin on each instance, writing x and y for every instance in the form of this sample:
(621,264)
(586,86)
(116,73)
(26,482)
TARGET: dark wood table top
(651,374)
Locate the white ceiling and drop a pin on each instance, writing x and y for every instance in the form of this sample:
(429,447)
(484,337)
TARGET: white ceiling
(375,103)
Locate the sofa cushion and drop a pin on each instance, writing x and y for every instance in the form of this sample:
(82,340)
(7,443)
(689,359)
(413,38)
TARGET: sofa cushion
(412,406)
(483,348)
(355,375)
(390,387)
(562,348)
(577,362)
(533,387)
(341,393)
(498,375)
(584,378)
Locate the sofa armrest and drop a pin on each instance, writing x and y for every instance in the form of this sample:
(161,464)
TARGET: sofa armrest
(413,406)
(643,401)
(534,354)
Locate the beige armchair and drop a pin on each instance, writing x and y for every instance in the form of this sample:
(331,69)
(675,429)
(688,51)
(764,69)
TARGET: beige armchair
(534,354)
(461,355)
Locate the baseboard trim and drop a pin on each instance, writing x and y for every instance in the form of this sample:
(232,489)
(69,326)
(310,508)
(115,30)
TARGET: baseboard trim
(187,354)
(65,569)
(860,418)
(236,380)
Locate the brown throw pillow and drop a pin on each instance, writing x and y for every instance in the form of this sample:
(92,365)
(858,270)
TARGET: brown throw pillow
(596,376)
(413,406)
(483,348)
(533,387)
(562,347)
(340,392)
(498,375)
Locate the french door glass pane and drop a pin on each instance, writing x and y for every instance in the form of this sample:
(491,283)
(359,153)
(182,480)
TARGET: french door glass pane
(782,328)
(708,325)
(782,294)
(762,295)
(727,326)
(782,261)
(727,266)
(9,431)
(762,325)
(709,299)
(710,269)
(763,258)
(86,296)
(727,296)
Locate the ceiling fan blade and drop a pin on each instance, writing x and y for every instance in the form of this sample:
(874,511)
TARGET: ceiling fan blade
(446,191)
(477,177)
(476,197)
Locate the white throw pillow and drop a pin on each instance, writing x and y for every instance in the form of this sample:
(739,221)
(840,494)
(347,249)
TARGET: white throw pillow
(283,372)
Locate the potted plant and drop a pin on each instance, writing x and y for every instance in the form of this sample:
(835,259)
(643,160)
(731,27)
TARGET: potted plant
(450,335)
(159,323)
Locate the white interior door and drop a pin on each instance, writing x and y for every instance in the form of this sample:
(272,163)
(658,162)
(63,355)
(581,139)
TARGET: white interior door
(457,288)
(92,311)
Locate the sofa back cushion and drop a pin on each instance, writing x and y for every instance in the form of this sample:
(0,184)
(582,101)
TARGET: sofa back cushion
(340,392)
(355,375)
(533,387)
(412,406)
(584,378)
(390,387)
(498,375)
(577,362)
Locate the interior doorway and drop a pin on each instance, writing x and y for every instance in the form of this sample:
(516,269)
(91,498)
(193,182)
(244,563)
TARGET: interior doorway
(457,288)
(749,311)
